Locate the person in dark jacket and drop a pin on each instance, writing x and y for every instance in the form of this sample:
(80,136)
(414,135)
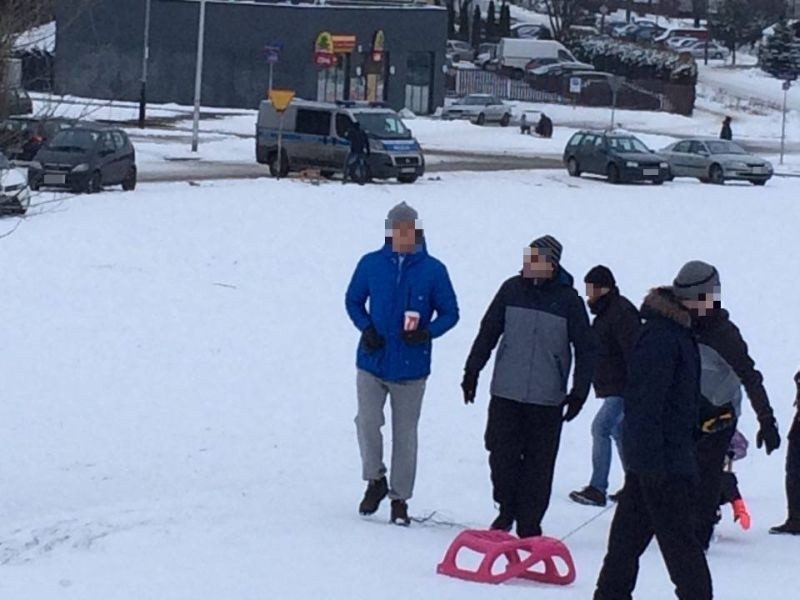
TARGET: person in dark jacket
(726,366)
(411,302)
(616,325)
(544,128)
(792,524)
(726,133)
(538,318)
(359,149)
(661,411)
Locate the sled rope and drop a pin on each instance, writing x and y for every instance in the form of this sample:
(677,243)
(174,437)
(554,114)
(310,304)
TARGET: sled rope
(588,522)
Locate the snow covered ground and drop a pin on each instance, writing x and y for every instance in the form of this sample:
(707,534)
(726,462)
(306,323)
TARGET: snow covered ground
(179,383)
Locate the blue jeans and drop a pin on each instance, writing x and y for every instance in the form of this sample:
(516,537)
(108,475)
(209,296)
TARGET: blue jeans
(351,161)
(606,426)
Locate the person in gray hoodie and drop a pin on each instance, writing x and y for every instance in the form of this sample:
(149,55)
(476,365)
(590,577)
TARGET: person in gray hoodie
(539,319)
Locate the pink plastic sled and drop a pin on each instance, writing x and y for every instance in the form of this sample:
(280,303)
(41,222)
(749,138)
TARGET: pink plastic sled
(494,544)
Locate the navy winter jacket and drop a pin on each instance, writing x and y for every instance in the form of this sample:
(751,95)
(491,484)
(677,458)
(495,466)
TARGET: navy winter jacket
(662,395)
(421,284)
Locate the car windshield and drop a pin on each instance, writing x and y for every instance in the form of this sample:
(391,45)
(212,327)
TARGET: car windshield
(724,148)
(74,140)
(475,101)
(383,125)
(4,164)
(625,145)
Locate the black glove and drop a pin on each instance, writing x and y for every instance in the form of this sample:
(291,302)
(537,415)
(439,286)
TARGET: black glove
(416,337)
(572,405)
(768,435)
(371,340)
(469,385)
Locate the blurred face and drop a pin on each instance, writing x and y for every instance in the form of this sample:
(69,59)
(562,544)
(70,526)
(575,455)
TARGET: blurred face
(594,292)
(536,265)
(703,305)
(404,237)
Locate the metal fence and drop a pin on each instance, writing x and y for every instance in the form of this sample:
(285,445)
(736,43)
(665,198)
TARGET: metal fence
(473,81)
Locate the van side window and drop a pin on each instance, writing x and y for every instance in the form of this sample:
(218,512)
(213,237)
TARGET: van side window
(343,125)
(315,122)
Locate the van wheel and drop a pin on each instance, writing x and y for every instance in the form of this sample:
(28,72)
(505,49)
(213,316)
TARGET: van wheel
(327,173)
(481,119)
(278,168)
(505,120)
(129,183)
(407,178)
(573,168)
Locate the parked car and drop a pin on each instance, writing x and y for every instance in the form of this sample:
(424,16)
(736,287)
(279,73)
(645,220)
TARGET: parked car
(700,34)
(18,102)
(460,51)
(621,157)
(315,135)
(678,42)
(531,31)
(716,161)
(514,55)
(480,109)
(84,159)
(15,195)
(583,31)
(642,32)
(486,54)
(548,78)
(22,137)
(698,50)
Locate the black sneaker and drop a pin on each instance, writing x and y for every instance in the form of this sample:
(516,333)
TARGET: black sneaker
(504,521)
(376,491)
(589,496)
(791,527)
(616,495)
(400,513)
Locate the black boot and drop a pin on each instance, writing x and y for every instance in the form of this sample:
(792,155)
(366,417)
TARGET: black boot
(589,496)
(400,513)
(791,527)
(504,521)
(376,491)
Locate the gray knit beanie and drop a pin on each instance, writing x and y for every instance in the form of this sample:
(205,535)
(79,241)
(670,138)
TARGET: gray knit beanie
(402,213)
(695,279)
(549,246)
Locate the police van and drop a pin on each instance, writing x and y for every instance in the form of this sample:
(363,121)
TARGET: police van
(314,135)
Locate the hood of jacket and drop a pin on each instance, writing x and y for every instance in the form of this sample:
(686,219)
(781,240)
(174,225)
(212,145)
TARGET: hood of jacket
(663,303)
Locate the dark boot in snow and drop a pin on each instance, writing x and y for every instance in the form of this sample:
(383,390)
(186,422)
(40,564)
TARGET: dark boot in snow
(589,496)
(616,495)
(504,521)
(376,491)
(791,527)
(400,513)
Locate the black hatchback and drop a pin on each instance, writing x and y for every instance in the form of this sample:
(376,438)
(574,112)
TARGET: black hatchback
(621,157)
(84,159)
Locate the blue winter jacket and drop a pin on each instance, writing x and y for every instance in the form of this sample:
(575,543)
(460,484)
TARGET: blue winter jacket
(421,284)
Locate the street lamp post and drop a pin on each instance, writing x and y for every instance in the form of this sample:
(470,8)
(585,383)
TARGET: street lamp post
(145,57)
(786,86)
(198,75)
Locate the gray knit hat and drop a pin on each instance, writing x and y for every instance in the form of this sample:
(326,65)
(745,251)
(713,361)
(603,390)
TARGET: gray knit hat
(402,213)
(549,246)
(695,279)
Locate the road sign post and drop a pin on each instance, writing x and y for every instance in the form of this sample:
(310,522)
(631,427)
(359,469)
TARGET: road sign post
(614,83)
(272,52)
(786,87)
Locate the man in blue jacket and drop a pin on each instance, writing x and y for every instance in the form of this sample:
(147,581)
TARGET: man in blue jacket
(662,405)
(411,302)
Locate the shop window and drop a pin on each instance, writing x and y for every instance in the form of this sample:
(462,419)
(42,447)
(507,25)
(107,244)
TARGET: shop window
(419,82)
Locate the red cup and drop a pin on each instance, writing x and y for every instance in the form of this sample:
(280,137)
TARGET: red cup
(411,321)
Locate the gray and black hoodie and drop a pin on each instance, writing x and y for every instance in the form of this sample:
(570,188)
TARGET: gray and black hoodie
(540,324)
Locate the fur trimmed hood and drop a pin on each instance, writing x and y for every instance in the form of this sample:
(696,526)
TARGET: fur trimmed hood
(662,302)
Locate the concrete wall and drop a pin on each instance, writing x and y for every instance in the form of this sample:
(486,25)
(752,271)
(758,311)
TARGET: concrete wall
(99,49)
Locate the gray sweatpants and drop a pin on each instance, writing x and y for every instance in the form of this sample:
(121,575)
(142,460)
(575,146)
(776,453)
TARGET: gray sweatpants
(406,402)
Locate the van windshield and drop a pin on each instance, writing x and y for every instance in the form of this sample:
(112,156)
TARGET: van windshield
(385,125)
(74,140)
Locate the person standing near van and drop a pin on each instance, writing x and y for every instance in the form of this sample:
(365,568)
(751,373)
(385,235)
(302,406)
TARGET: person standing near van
(411,302)
(359,149)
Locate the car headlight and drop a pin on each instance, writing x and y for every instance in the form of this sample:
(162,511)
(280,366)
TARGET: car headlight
(631,164)
(81,168)
(737,165)
(35,165)
(664,165)
(376,145)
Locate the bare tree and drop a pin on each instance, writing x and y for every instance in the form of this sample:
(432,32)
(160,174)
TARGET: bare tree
(562,14)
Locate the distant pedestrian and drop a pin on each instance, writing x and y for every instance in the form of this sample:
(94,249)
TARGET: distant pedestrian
(616,325)
(726,133)
(524,126)
(411,302)
(792,524)
(544,128)
(359,150)
(539,320)
(661,406)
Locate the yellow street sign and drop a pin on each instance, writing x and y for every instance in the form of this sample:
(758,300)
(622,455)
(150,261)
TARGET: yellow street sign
(281,99)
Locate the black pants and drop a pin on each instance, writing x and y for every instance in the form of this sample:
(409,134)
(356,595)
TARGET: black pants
(711,450)
(522,440)
(730,488)
(793,471)
(647,508)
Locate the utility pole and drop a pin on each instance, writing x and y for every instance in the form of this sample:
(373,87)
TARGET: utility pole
(145,57)
(786,85)
(198,75)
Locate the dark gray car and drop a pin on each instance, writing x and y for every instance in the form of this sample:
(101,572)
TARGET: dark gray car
(621,157)
(716,161)
(84,159)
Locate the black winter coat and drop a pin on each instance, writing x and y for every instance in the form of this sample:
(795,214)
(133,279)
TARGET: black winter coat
(663,392)
(615,327)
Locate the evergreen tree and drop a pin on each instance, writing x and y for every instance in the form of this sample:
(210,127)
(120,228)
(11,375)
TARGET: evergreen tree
(505,20)
(491,22)
(463,21)
(477,24)
(734,24)
(780,54)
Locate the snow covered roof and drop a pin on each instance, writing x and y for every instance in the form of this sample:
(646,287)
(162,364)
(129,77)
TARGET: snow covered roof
(39,38)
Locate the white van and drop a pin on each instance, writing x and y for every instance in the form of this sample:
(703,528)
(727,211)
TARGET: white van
(513,54)
(314,136)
